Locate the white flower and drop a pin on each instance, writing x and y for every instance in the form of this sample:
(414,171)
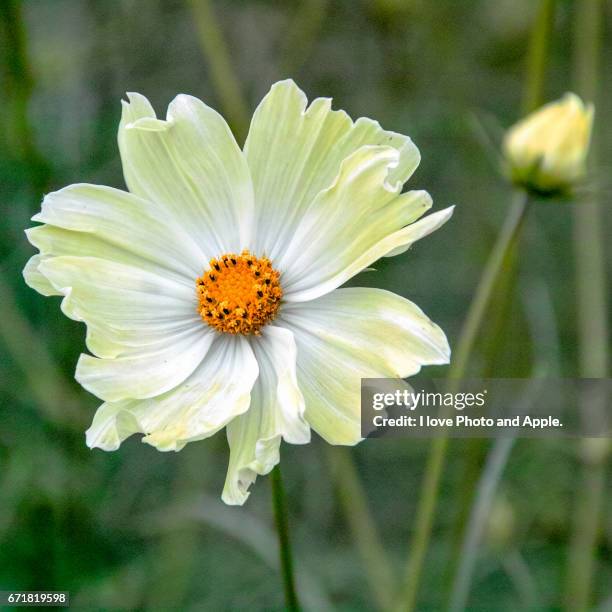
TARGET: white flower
(210,290)
(547,150)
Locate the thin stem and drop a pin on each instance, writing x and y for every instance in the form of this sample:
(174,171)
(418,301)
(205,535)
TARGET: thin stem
(588,505)
(537,57)
(519,573)
(510,230)
(534,87)
(282,527)
(222,73)
(589,249)
(536,66)
(424,519)
(353,499)
(485,495)
(433,470)
(594,358)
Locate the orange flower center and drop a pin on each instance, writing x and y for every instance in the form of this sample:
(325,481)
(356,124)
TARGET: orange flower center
(239,294)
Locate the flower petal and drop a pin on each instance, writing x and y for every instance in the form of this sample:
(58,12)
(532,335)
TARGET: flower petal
(277,411)
(147,371)
(351,334)
(35,279)
(111,425)
(316,284)
(97,221)
(359,219)
(190,165)
(216,392)
(294,152)
(124,307)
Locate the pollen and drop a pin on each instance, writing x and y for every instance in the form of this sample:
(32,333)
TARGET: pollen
(239,294)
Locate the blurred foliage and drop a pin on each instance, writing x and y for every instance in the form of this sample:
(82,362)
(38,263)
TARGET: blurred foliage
(141,529)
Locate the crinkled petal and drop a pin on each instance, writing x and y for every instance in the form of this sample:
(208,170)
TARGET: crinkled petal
(318,283)
(294,152)
(351,334)
(111,425)
(216,392)
(35,279)
(125,308)
(276,412)
(190,165)
(359,219)
(98,221)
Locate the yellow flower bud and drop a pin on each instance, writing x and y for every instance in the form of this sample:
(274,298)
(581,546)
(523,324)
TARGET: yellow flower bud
(546,152)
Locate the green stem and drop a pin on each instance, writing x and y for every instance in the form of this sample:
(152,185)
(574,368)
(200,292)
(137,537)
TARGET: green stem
(471,327)
(379,573)
(536,66)
(424,519)
(492,473)
(581,560)
(282,527)
(222,74)
(433,470)
(588,237)
(537,57)
(593,332)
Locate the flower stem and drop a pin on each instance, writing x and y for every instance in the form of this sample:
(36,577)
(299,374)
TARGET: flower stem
(589,249)
(536,66)
(282,527)
(487,487)
(353,500)
(537,57)
(510,231)
(433,470)
(592,329)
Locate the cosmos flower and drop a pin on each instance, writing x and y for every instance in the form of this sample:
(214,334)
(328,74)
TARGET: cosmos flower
(211,292)
(547,150)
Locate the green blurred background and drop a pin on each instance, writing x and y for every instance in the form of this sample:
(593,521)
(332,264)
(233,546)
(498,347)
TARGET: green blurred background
(141,529)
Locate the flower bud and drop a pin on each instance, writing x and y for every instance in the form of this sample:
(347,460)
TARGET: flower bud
(546,152)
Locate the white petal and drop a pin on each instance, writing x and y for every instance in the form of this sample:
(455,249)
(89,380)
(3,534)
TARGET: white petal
(276,349)
(217,391)
(294,152)
(147,371)
(351,334)
(409,235)
(276,412)
(124,307)
(35,279)
(359,219)
(111,425)
(191,165)
(97,221)
(319,281)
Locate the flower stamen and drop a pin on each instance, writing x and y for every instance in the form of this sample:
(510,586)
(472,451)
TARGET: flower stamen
(239,294)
